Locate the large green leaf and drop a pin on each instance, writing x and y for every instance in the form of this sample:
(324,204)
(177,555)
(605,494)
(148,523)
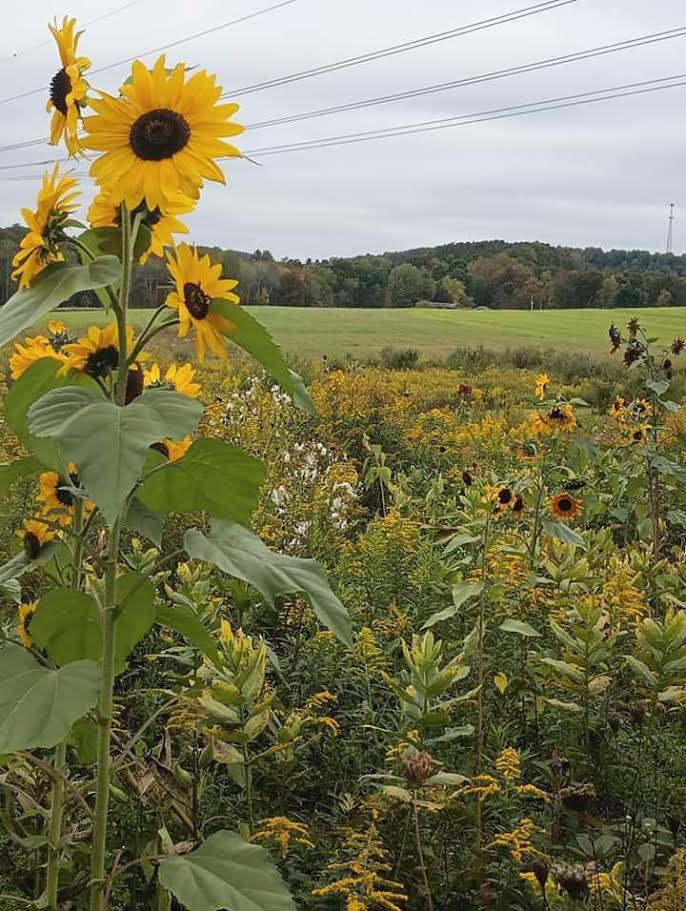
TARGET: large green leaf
(183,621)
(39,705)
(144,522)
(34,383)
(55,284)
(135,614)
(107,240)
(108,443)
(252,337)
(20,563)
(213,476)
(563,533)
(239,553)
(67,625)
(226,872)
(14,471)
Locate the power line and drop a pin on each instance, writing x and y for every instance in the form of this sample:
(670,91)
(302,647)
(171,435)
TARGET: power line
(164,47)
(601,51)
(405,46)
(533,107)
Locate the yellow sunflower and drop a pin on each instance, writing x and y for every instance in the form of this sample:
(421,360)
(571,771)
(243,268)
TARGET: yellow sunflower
(105,213)
(178,377)
(34,536)
(639,434)
(564,506)
(161,137)
(196,283)
(97,354)
(171,450)
(39,347)
(41,244)
(55,495)
(542,382)
(561,417)
(68,87)
(25,614)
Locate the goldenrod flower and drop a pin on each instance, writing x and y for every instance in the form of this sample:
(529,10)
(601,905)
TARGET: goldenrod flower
(508,765)
(161,138)
(68,87)
(171,450)
(282,831)
(178,377)
(40,246)
(104,212)
(25,613)
(197,282)
(34,536)
(97,353)
(564,506)
(542,382)
(518,841)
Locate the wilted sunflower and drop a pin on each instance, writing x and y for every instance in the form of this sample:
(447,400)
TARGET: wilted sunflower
(542,382)
(34,536)
(40,246)
(161,138)
(97,354)
(39,347)
(564,506)
(68,87)
(178,378)
(171,450)
(197,282)
(104,212)
(25,614)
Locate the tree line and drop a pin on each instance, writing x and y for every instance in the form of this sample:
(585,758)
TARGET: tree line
(494,274)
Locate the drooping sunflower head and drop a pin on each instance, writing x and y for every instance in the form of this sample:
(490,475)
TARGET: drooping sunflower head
(104,212)
(97,354)
(68,88)
(196,283)
(56,495)
(172,450)
(565,506)
(41,245)
(25,614)
(34,536)
(161,137)
(178,378)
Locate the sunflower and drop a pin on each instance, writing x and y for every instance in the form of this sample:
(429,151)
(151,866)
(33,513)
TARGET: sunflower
(518,506)
(196,283)
(618,409)
(542,382)
(171,450)
(68,87)
(56,496)
(97,354)
(39,347)
(179,378)
(40,246)
(639,434)
(161,137)
(561,416)
(34,536)
(564,506)
(642,408)
(105,213)
(25,613)
(504,499)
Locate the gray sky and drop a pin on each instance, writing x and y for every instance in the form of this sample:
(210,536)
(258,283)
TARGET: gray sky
(598,175)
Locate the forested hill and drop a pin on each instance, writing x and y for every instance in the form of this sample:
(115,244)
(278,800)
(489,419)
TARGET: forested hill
(494,274)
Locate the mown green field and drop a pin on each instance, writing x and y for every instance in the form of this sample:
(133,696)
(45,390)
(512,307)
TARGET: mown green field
(361,333)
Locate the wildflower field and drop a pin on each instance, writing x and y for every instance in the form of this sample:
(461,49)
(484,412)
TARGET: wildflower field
(386,636)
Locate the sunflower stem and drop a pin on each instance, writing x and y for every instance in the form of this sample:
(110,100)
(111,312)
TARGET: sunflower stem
(144,339)
(98,898)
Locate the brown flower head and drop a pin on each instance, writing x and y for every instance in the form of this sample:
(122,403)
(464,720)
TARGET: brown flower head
(417,767)
(615,338)
(633,326)
(678,346)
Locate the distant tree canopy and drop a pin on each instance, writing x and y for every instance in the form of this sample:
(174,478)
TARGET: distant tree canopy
(491,273)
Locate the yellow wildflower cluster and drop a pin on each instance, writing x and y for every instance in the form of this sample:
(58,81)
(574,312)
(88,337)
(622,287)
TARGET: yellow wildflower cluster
(518,841)
(622,598)
(366,654)
(284,833)
(508,765)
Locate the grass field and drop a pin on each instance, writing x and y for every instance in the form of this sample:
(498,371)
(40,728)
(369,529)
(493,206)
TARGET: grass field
(435,333)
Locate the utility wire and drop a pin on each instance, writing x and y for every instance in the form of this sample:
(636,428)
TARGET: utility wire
(163,47)
(504,18)
(601,51)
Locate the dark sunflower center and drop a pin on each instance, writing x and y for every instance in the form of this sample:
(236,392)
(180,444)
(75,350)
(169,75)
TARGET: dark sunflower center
(64,496)
(31,545)
(102,362)
(159,134)
(505,496)
(161,448)
(197,301)
(60,87)
(59,339)
(565,504)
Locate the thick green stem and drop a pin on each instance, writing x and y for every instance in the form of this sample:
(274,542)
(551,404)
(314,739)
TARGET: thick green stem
(98,898)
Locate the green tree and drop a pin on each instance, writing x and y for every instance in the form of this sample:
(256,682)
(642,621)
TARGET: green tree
(407,285)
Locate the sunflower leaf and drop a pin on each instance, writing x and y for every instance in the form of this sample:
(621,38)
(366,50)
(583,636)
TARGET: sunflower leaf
(239,553)
(213,476)
(52,287)
(10,472)
(108,443)
(252,337)
(39,705)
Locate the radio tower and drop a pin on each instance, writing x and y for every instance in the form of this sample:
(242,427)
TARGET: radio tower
(670,231)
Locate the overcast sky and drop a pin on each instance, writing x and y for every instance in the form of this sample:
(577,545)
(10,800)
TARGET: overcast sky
(598,175)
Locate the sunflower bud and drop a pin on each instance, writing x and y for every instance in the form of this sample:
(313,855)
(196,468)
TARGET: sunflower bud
(540,870)
(134,383)
(417,767)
